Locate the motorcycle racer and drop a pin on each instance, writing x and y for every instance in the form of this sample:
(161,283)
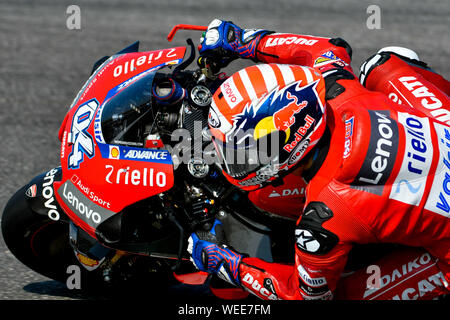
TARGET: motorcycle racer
(376,172)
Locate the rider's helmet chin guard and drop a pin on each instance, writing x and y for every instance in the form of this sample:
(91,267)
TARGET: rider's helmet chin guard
(264,120)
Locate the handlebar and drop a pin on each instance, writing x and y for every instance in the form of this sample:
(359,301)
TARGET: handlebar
(210,63)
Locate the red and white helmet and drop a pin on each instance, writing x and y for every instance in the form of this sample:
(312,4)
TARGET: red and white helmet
(265,119)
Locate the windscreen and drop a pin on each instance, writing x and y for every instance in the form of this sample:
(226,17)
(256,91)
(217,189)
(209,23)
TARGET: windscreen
(124,114)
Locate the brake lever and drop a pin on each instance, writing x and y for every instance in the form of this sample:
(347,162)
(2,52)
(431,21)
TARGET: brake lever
(189,60)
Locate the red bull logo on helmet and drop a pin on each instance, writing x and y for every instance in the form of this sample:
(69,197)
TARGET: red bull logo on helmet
(301,132)
(294,98)
(284,118)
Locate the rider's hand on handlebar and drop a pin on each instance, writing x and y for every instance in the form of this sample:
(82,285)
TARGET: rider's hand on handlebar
(225,40)
(210,254)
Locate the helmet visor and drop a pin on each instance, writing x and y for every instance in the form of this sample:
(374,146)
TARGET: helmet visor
(244,156)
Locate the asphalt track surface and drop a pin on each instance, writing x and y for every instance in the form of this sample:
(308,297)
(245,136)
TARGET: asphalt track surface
(43,64)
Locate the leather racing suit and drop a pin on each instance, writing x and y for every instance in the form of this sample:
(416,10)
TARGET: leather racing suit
(383,178)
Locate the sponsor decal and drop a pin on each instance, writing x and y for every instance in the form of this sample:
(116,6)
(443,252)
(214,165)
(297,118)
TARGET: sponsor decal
(137,154)
(63,144)
(48,194)
(287,193)
(31,191)
(137,63)
(272,41)
(312,287)
(439,197)
(231,93)
(381,154)
(82,142)
(429,100)
(407,270)
(348,137)
(82,206)
(146,155)
(91,194)
(114,152)
(298,151)
(310,281)
(301,132)
(146,177)
(328,57)
(424,286)
(409,185)
(268,292)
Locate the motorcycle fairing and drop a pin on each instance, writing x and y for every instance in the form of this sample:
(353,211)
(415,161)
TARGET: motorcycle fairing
(95,185)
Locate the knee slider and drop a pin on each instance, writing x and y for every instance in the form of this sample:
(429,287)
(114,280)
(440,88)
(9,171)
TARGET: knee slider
(311,237)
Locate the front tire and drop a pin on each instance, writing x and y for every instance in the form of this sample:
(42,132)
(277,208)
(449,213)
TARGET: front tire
(35,240)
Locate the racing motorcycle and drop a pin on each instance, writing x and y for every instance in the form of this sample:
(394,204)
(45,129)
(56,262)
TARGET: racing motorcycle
(128,193)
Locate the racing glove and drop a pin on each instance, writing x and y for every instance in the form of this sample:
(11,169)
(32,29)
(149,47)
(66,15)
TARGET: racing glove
(226,40)
(209,254)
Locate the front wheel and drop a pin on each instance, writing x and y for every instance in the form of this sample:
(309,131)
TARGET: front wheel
(35,240)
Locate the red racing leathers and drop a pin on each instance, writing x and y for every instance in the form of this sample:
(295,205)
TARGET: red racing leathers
(385,179)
